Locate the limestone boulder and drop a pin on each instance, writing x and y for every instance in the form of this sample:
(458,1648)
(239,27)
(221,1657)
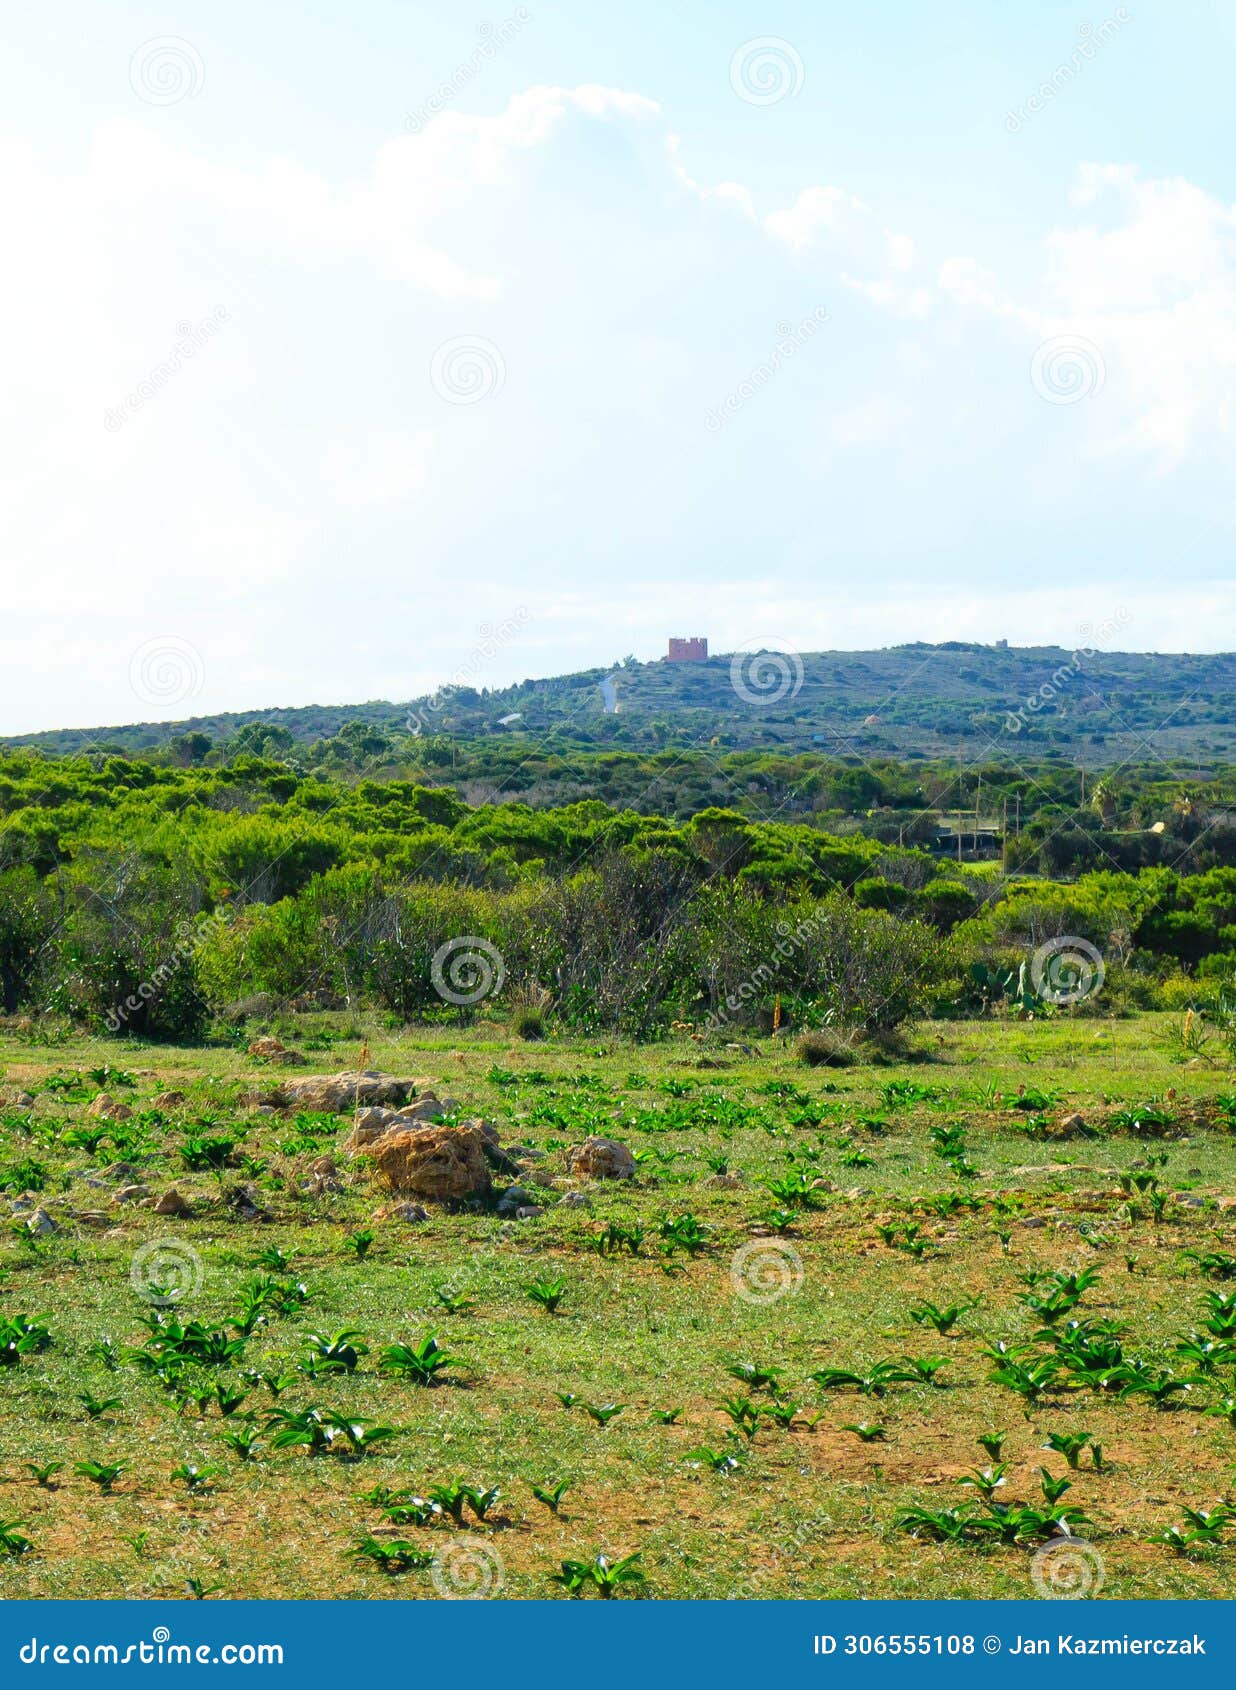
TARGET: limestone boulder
(601,1158)
(335,1093)
(369,1125)
(443,1164)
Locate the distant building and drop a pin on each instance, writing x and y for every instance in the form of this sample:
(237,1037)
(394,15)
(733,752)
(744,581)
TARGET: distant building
(693,650)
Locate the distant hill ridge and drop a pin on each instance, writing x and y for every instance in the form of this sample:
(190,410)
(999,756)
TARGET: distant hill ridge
(1099,707)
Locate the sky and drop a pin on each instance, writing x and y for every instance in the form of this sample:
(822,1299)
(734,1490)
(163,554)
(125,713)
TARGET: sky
(352,350)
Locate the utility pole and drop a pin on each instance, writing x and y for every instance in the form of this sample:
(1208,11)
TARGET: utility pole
(978,800)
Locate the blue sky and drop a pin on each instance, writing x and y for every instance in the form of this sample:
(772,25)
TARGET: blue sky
(901,323)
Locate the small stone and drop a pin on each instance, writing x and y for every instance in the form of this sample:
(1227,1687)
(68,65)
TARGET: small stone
(528,1212)
(131,1194)
(245,1202)
(172,1202)
(575,1200)
(105,1108)
(410,1212)
(168,1100)
(41,1224)
(274,1050)
(12,1097)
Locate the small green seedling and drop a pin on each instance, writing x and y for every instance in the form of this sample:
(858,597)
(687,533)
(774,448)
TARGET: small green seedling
(547,1293)
(550,1496)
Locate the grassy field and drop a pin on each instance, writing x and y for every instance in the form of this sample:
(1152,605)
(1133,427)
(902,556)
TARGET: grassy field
(809,1507)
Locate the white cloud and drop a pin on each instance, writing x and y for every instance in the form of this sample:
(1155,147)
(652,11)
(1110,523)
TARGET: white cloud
(1154,289)
(377,469)
(874,420)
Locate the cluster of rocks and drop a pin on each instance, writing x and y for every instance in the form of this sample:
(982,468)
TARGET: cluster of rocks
(416,1147)
(268,1049)
(421,1146)
(416,1141)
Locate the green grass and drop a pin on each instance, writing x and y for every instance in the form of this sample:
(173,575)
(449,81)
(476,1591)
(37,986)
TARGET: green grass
(808,1510)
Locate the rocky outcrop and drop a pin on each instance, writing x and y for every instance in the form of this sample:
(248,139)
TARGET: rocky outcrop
(332,1094)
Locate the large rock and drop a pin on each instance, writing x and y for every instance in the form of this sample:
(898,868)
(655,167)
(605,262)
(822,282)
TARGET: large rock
(441,1163)
(601,1158)
(333,1093)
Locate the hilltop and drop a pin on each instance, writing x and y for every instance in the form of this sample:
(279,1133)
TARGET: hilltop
(914,701)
